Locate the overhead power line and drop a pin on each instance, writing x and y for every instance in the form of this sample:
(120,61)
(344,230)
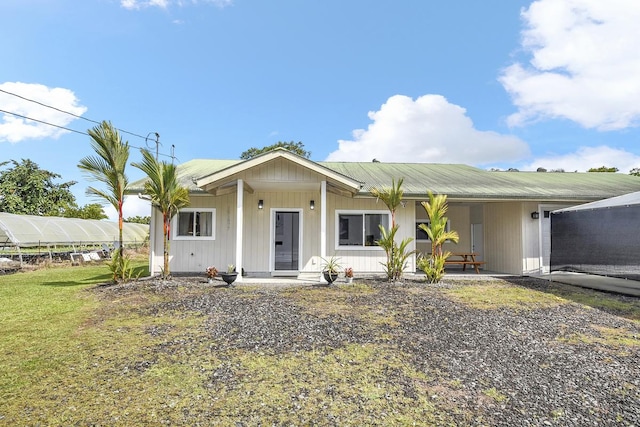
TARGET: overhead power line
(71,130)
(74,115)
(43,122)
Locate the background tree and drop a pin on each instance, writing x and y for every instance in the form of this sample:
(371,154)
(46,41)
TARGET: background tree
(139,219)
(635,172)
(165,193)
(25,189)
(603,169)
(89,211)
(294,147)
(108,167)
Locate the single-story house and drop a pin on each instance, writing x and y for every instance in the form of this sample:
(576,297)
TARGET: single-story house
(279,214)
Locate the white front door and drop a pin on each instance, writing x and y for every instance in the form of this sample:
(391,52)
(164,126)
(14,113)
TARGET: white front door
(477,241)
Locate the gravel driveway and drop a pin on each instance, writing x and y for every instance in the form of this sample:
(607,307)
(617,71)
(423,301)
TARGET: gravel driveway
(502,366)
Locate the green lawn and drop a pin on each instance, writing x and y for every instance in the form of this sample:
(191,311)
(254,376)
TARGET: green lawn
(43,313)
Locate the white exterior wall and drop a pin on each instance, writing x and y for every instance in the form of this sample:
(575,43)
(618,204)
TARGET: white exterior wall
(369,259)
(196,255)
(503,237)
(257,243)
(531,240)
(512,238)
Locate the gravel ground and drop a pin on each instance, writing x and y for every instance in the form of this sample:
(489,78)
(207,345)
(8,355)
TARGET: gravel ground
(527,356)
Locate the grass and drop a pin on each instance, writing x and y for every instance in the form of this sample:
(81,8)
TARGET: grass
(495,395)
(496,294)
(42,313)
(490,295)
(72,357)
(616,338)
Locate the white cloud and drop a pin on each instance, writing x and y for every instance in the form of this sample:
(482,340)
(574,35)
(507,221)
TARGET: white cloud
(584,64)
(139,4)
(428,129)
(133,206)
(164,4)
(586,158)
(16,129)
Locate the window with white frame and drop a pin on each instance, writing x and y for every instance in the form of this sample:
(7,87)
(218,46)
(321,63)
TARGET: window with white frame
(357,229)
(194,224)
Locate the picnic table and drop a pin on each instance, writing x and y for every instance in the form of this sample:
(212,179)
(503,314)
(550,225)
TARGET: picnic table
(464,259)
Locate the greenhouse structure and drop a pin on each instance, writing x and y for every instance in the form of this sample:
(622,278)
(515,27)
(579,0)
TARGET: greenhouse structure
(601,238)
(26,237)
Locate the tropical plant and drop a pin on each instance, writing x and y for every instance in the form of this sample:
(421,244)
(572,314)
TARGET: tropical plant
(397,253)
(166,194)
(392,197)
(108,167)
(432,266)
(436,208)
(331,265)
(121,267)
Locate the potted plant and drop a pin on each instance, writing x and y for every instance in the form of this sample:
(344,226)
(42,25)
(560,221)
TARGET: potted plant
(211,273)
(231,274)
(348,274)
(330,269)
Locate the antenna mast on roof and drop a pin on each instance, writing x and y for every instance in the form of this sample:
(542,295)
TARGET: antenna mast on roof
(157,142)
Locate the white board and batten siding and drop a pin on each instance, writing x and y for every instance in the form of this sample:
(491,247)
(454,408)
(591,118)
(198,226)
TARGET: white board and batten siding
(367,259)
(503,237)
(196,255)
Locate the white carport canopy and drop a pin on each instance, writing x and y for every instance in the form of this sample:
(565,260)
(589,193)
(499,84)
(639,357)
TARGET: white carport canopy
(630,199)
(31,231)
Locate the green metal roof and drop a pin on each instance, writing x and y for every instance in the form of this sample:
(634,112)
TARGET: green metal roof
(188,172)
(467,182)
(458,181)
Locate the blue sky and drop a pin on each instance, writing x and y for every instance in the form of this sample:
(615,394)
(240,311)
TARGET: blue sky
(523,84)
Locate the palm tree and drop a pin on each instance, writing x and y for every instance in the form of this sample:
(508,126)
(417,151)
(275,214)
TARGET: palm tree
(166,195)
(436,209)
(108,167)
(397,254)
(392,197)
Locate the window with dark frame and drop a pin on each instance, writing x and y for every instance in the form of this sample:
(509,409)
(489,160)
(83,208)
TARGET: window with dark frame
(360,229)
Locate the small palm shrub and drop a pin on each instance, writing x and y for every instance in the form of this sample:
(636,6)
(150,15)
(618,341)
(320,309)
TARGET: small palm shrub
(397,253)
(433,266)
(120,267)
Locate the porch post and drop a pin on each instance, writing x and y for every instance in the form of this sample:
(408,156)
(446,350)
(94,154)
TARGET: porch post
(239,228)
(323,220)
(152,241)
